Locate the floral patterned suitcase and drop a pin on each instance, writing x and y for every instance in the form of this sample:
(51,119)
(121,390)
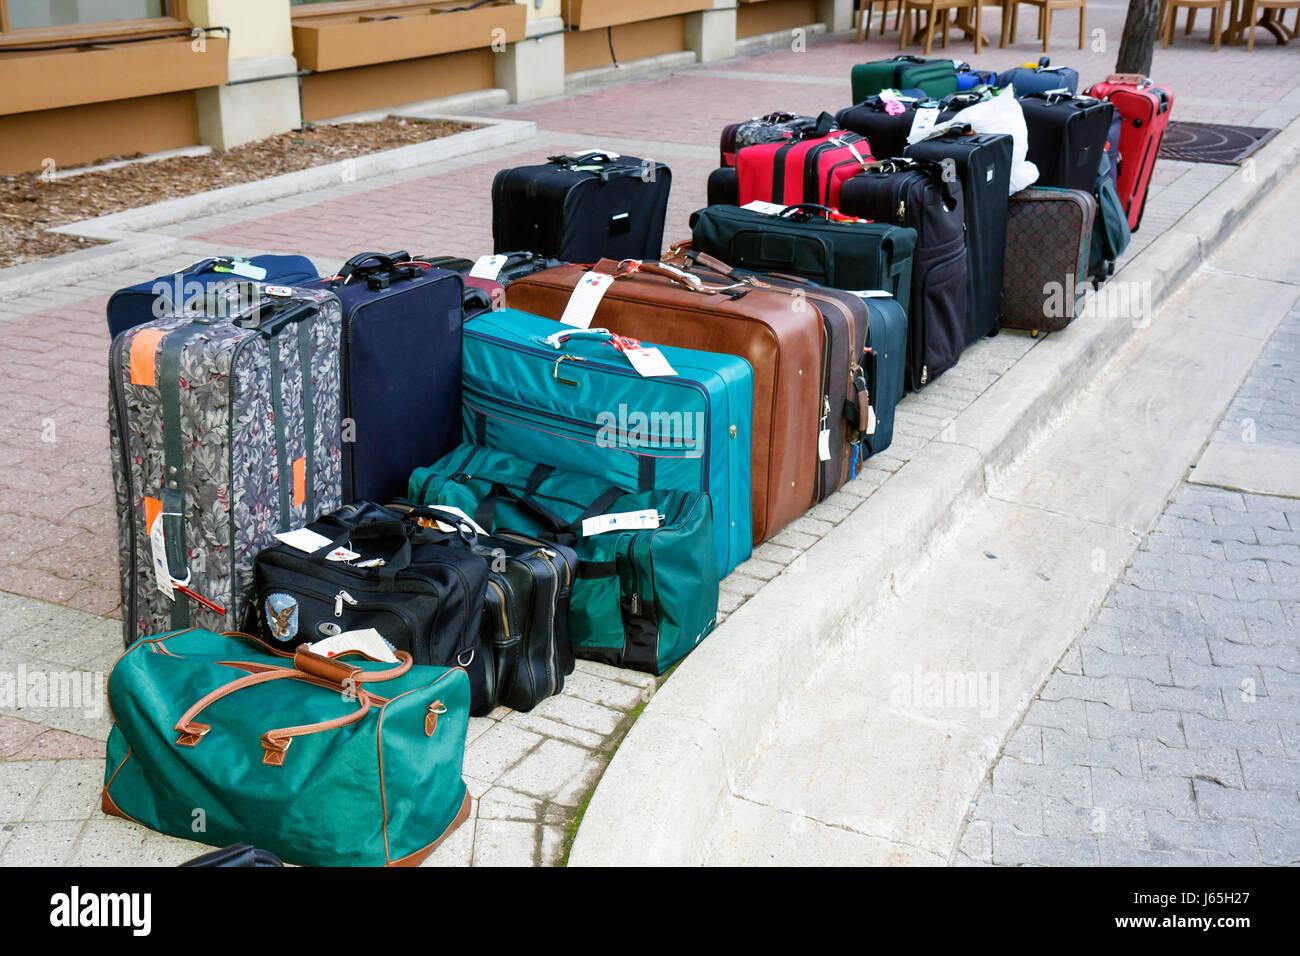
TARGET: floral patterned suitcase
(225,429)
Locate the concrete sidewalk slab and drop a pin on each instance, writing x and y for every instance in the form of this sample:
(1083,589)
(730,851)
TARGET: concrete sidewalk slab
(1255,469)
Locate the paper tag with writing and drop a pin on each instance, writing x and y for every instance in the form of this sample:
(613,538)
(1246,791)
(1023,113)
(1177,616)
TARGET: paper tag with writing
(342,554)
(824,445)
(767,208)
(606,152)
(366,640)
(924,119)
(585,299)
(158,543)
(871,420)
(620,521)
(872,294)
(488,267)
(650,362)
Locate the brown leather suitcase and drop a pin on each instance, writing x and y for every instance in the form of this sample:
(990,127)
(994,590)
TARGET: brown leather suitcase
(785,346)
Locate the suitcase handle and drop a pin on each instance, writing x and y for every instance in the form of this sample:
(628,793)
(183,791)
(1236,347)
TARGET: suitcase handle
(414,511)
(691,283)
(393,530)
(282,312)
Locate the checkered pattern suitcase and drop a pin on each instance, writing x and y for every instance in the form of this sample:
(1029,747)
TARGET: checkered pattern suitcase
(1048,232)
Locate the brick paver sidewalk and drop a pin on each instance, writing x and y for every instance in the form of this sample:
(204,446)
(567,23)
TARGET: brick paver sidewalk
(1170,733)
(528,771)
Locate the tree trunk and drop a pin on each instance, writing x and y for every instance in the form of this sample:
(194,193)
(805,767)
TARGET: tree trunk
(1141,27)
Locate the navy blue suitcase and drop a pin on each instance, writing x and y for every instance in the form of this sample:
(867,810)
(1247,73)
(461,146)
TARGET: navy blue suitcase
(885,360)
(146,301)
(401,361)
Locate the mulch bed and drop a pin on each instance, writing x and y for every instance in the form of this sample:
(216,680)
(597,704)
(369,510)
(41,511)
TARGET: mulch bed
(29,205)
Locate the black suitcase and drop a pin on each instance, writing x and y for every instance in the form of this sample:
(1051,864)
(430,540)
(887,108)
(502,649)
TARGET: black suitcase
(983,162)
(1067,135)
(582,208)
(724,187)
(804,241)
(917,194)
(401,368)
(886,133)
(526,612)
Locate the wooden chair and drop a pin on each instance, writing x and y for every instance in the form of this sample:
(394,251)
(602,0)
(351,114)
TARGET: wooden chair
(864,17)
(1255,7)
(1219,14)
(937,17)
(1045,10)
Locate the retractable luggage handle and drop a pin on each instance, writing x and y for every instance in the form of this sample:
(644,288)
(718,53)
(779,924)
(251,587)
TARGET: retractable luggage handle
(309,668)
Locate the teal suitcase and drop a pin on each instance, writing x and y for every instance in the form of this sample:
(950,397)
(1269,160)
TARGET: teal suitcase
(578,404)
(936,78)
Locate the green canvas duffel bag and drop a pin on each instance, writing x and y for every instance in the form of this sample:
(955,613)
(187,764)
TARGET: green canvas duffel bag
(644,594)
(322,761)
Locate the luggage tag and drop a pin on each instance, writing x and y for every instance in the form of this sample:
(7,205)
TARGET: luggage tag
(167,584)
(871,294)
(582,305)
(444,526)
(488,267)
(766,208)
(366,640)
(621,521)
(240,267)
(308,541)
(824,433)
(649,362)
(925,118)
(158,543)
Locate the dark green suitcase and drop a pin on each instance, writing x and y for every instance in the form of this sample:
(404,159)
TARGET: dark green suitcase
(937,78)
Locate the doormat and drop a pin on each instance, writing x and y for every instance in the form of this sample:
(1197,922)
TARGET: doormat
(1212,142)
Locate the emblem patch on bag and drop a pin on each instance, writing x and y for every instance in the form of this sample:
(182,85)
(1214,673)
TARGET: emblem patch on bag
(282,616)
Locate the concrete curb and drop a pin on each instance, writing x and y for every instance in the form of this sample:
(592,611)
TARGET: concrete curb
(657,799)
(130,241)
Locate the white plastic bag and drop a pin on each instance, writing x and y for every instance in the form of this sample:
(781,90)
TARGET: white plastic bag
(1002,114)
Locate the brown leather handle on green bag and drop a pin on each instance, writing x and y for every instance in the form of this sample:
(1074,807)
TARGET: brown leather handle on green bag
(309,668)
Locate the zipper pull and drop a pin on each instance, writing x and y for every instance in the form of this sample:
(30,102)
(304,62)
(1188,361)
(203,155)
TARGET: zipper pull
(902,212)
(636,604)
(343,597)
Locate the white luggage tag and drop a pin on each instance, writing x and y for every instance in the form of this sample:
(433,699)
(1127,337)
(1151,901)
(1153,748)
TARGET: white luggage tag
(871,293)
(824,433)
(366,640)
(444,526)
(922,122)
(621,521)
(308,541)
(584,301)
(766,208)
(158,544)
(488,267)
(242,268)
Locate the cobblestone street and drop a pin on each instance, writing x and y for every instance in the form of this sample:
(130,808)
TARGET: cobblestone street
(1170,733)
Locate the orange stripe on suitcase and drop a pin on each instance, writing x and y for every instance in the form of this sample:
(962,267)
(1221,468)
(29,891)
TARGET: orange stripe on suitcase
(144,356)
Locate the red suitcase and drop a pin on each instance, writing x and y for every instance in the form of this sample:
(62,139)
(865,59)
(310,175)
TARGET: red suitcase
(1144,109)
(809,170)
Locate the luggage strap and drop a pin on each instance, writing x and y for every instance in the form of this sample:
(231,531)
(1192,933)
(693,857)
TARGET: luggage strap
(173,495)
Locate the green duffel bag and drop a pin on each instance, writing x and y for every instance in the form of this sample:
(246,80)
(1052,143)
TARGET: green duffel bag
(645,592)
(373,776)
